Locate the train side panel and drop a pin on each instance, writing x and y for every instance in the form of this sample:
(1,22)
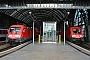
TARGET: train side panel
(36,32)
(68,33)
(26,33)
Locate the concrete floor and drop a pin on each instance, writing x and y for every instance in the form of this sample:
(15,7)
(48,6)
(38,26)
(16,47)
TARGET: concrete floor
(45,51)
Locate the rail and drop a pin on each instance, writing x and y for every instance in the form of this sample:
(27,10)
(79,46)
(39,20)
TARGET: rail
(79,48)
(13,49)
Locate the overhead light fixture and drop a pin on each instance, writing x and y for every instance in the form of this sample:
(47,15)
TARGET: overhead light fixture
(30,12)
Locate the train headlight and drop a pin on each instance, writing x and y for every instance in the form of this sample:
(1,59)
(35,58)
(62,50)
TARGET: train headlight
(19,36)
(9,35)
(81,35)
(73,35)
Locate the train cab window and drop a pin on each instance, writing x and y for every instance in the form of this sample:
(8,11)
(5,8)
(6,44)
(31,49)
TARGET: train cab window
(14,29)
(17,29)
(76,30)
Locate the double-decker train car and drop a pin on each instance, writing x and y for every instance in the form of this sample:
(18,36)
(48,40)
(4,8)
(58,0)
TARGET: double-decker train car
(19,33)
(73,34)
(3,34)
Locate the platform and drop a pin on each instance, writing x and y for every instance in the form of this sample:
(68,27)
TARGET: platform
(47,51)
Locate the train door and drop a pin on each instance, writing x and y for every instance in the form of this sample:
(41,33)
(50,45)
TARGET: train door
(49,32)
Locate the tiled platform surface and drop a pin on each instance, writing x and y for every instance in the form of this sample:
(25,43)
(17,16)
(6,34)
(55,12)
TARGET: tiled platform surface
(48,51)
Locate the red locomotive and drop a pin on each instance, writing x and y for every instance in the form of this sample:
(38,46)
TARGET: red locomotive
(36,32)
(19,33)
(73,33)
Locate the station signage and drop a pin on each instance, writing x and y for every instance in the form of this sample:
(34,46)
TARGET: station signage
(49,5)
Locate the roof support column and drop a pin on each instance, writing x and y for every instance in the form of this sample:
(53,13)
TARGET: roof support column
(33,25)
(64,25)
(33,32)
(64,32)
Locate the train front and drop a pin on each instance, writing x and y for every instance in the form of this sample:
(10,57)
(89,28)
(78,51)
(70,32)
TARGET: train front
(14,35)
(77,34)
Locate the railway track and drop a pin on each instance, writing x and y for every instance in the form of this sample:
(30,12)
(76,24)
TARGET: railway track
(79,48)
(8,51)
(4,46)
(2,42)
(86,46)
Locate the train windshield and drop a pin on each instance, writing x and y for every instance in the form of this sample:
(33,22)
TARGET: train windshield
(15,29)
(77,31)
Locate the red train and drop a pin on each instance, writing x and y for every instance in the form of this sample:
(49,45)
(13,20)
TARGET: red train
(20,33)
(73,34)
